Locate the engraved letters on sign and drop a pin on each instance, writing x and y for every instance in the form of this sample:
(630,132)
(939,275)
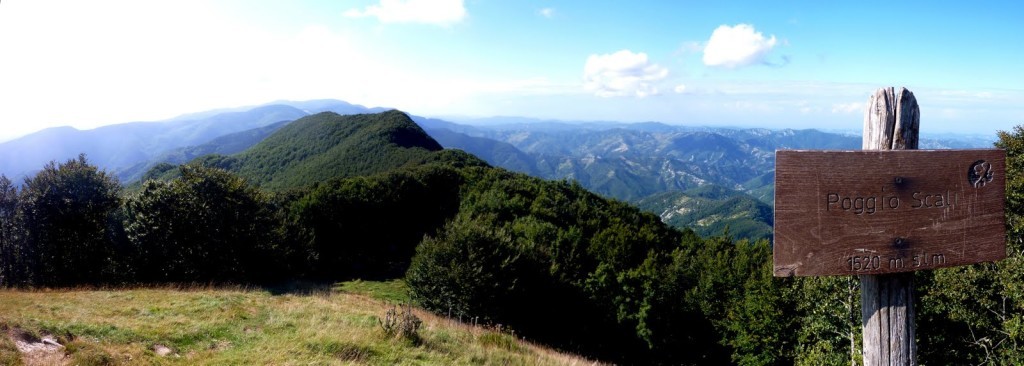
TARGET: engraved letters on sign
(871,212)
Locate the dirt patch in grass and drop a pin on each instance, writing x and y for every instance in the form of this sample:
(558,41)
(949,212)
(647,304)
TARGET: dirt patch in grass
(162,350)
(36,350)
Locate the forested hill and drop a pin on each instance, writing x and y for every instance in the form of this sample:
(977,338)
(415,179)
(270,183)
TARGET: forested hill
(327,145)
(713,210)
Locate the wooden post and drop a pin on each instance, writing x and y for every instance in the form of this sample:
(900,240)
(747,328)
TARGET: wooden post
(885,214)
(891,122)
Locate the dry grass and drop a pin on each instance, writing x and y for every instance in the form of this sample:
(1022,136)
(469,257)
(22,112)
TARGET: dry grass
(203,326)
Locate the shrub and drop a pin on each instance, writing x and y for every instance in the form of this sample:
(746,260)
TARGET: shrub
(400,322)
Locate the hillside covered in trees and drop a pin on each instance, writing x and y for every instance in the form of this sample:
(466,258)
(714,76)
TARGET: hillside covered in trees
(371,196)
(713,210)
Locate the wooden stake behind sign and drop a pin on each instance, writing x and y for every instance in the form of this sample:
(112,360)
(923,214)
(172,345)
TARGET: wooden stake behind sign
(891,122)
(902,211)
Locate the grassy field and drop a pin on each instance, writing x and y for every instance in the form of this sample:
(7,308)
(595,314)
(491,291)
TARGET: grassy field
(201,326)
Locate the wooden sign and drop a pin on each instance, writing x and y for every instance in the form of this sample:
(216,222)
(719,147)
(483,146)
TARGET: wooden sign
(873,212)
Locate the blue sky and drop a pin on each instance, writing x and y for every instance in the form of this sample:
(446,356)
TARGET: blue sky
(791,64)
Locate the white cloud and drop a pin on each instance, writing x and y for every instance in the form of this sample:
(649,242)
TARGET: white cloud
(680,89)
(849,108)
(436,12)
(737,46)
(622,73)
(547,12)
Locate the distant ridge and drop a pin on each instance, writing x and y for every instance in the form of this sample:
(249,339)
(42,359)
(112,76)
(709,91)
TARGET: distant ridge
(327,145)
(224,145)
(122,146)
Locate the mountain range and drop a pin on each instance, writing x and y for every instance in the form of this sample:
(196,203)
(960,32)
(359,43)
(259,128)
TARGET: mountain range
(120,147)
(700,177)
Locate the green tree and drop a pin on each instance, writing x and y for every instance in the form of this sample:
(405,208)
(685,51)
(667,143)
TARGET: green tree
(750,313)
(674,318)
(11,270)
(829,321)
(1013,143)
(65,210)
(466,271)
(975,314)
(759,325)
(206,225)
(369,227)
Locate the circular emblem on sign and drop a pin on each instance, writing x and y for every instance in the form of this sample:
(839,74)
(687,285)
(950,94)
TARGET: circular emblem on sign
(980,173)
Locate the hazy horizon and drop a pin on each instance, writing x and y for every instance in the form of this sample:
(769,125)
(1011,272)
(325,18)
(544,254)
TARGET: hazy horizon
(488,121)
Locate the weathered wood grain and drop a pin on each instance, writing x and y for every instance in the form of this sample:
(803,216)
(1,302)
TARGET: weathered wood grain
(874,212)
(887,301)
(887,315)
